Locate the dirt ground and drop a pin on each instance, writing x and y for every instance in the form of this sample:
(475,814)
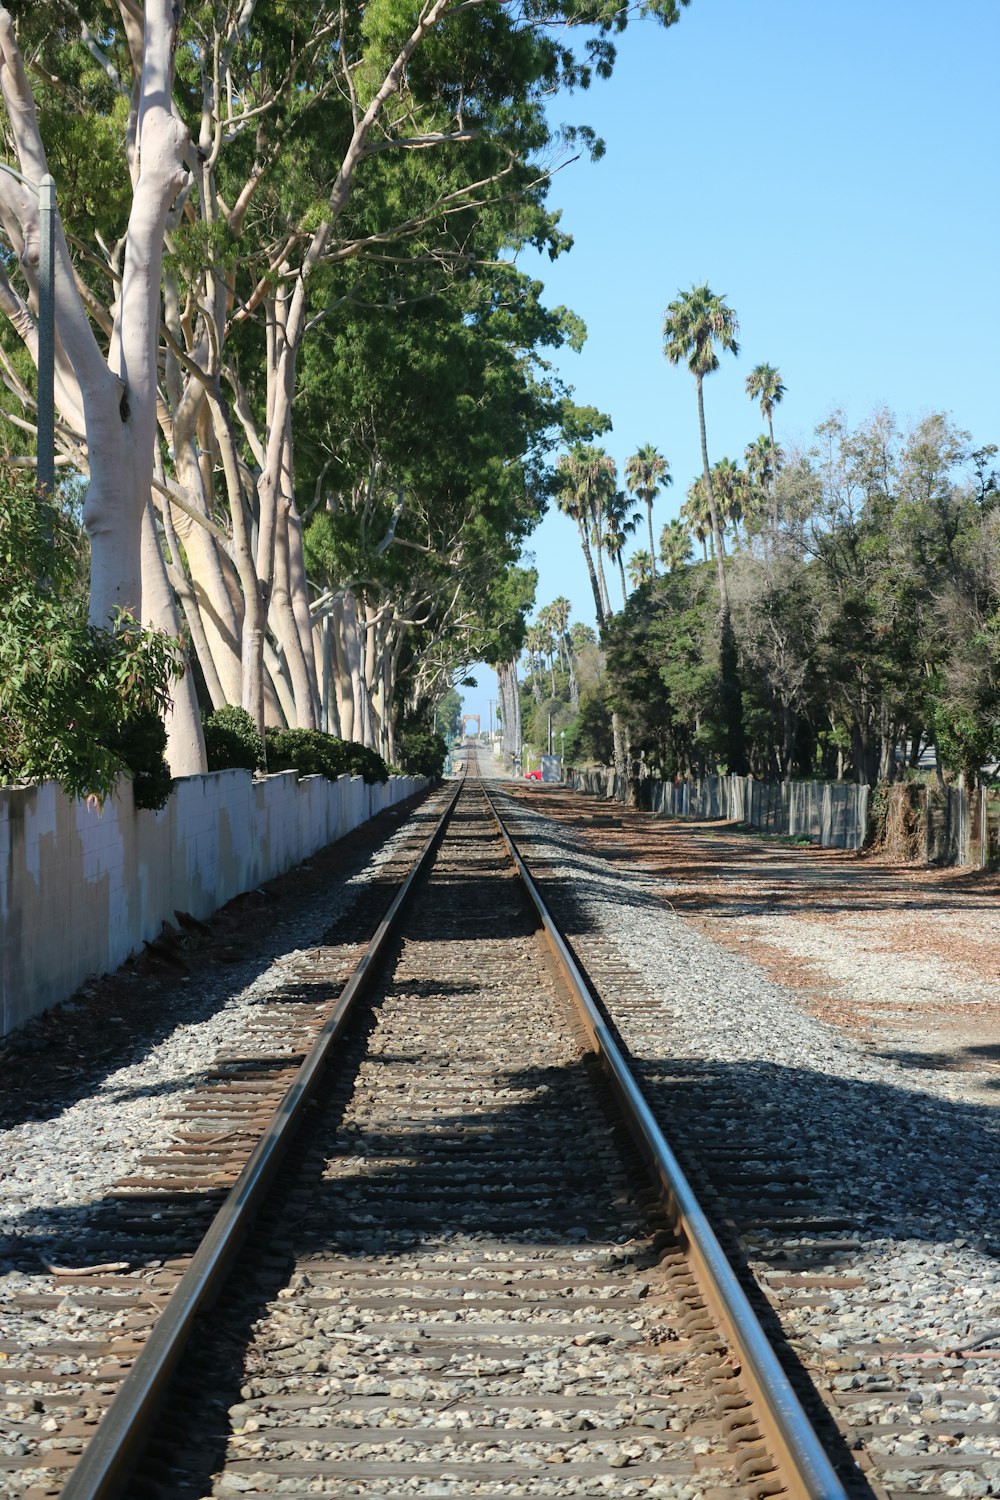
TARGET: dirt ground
(906,959)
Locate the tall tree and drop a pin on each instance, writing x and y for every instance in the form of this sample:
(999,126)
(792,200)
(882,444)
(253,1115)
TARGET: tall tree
(619,525)
(640,569)
(110,394)
(694,324)
(546,625)
(764,385)
(329,138)
(696,516)
(586,475)
(675,545)
(560,610)
(646,473)
(759,458)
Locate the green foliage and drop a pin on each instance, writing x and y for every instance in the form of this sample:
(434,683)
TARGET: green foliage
(420,751)
(664,671)
(967,736)
(231,740)
(313,753)
(865,602)
(78,705)
(589,736)
(448,714)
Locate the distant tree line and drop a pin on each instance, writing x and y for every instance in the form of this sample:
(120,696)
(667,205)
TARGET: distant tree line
(863,589)
(844,617)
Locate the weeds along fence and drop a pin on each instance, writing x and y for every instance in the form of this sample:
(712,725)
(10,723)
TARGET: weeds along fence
(937,825)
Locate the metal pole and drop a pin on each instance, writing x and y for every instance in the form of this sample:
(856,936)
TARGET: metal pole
(46,453)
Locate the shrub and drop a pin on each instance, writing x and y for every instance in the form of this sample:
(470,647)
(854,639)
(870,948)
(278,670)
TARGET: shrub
(421,752)
(78,705)
(140,742)
(313,753)
(231,740)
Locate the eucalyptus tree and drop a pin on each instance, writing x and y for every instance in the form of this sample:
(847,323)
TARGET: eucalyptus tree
(106,388)
(267,151)
(694,323)
(417,512)
(647,472)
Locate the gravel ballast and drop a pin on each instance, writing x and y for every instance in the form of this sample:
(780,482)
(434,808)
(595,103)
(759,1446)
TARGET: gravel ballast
(909,1170)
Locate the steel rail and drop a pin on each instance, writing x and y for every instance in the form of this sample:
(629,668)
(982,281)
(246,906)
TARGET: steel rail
(792,1437)
(107,1460)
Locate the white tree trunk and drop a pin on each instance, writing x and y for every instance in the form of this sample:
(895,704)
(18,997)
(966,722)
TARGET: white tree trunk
(118,395)
(185,741)
(117,496)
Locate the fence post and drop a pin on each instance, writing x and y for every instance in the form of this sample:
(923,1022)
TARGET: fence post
(862,823)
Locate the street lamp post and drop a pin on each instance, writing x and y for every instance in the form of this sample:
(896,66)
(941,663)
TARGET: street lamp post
(45,460)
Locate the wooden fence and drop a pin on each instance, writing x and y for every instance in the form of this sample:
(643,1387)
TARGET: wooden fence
(938,825)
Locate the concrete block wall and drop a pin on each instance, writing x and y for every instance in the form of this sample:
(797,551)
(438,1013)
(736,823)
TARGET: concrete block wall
(82,887)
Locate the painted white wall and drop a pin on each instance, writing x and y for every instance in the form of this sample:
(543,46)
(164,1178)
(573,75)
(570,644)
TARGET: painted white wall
(82,887)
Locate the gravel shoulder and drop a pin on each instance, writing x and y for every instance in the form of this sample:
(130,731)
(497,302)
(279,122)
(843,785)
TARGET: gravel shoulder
(755,985)
(903,959)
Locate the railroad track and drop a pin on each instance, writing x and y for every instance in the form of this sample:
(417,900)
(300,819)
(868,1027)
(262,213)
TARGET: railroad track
(473,1267)
(919,1414)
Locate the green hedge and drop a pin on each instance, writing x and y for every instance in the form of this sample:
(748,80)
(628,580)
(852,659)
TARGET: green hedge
(231,740)
(421,752)
(313,753)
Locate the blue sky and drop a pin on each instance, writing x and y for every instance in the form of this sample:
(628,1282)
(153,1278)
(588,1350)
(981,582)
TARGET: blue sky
(831,169)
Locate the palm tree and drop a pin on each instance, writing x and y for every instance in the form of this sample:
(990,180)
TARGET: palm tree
(559,611)
(604,488)
(675,545)
(585,474)
(543,620)
(764,384)
(746,498)
(759,472)
(693,325)
(695,513)
(646,473)
(640,569)
(533,646)
(618,527)
(589,477)
(730,485)
(758,458)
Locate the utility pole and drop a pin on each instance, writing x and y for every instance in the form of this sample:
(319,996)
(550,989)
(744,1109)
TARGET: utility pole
(46,449)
